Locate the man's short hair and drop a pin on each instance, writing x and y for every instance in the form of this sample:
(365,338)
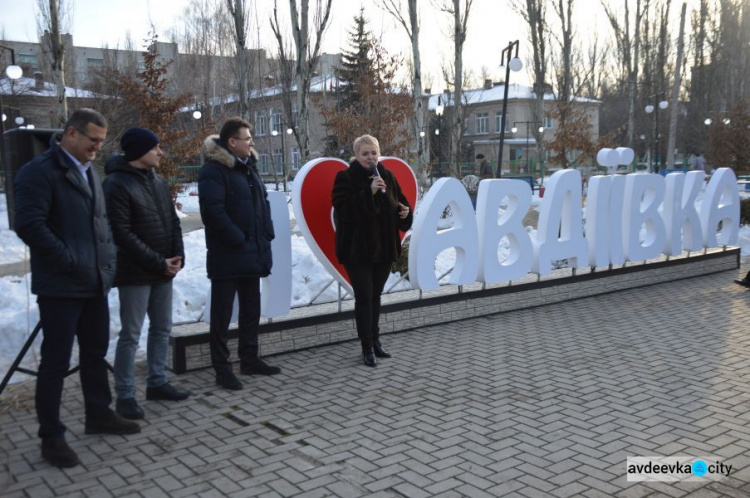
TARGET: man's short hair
(82,117)
(231,127)
(480,156)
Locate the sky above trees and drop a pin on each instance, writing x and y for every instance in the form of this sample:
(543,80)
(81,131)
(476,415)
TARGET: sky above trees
(492,25)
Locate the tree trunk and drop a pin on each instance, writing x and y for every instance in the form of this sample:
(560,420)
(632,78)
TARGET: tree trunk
(237,10)
(57,50)
(675,91)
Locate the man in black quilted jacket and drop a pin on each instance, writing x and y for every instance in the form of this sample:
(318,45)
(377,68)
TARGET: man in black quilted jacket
(147,233)
(62,217)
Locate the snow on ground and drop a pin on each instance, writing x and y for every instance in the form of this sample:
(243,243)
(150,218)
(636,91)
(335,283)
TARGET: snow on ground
(19,313)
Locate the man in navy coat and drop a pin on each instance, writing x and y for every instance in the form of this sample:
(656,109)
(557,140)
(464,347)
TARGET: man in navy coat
(61,216)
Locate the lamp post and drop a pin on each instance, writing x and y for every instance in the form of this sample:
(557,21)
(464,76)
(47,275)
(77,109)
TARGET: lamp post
(650,108)
(439,111)
(516,65)
(13,72)
(276,133)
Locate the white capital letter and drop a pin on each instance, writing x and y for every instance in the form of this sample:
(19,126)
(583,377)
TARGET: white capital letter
(518,262)
(643,194)
(426,243)
(680,215)
(561,214)
(721,203)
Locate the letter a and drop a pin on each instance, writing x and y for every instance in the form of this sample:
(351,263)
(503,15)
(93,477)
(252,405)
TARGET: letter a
(721,203)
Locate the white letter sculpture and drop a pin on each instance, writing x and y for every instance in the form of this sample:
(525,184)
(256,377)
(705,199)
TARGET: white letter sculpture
(643,194)
(680,216)
(426,243)
(561,214)
(520,257)
(721,203)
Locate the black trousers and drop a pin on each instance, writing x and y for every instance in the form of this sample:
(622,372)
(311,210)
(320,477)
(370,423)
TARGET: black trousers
(368,282)
(62,320)
(222,299)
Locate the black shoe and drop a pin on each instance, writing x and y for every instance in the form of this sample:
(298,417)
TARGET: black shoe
(380,352)
(59,454)
(166,392)
(112,423)
(229,381)
(369,358)
(258,367)
(128,408)
(744,282)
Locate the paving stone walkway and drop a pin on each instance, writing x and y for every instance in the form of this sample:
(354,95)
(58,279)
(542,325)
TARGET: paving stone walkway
(541,402)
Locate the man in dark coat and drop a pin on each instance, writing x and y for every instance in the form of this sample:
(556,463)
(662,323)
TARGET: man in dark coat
(485,170)
(235,211)
(149,255)
(61,216)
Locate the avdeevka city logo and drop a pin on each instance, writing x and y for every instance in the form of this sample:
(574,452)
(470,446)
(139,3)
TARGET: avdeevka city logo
(676,468)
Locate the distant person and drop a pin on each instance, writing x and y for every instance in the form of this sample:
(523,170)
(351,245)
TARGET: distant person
(61,215)
(485,170)
(699,162)
(369,209)
(237,216)
(149,255)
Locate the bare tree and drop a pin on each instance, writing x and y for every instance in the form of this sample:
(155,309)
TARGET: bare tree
(305,56)
(628,39)
(238,11)
(534,12)
(459,11)
(54,15)
(411,25)
(676,90)
(205,67)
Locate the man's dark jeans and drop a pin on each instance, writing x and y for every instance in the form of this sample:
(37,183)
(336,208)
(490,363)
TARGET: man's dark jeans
(62,320)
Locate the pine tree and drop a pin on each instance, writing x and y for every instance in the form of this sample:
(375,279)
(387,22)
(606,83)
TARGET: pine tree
(367,100)
(356,66)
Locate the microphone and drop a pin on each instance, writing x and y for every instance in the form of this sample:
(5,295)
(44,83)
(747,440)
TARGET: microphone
(374,167)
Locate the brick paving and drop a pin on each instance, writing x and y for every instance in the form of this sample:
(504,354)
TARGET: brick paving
(539,402)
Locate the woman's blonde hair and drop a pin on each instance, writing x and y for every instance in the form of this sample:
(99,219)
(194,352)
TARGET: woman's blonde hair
(366,140)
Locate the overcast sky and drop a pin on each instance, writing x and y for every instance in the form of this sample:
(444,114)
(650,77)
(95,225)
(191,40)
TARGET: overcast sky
(492,25)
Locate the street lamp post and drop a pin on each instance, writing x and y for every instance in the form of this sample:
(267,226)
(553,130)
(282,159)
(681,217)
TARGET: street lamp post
(13,72)
(439,111)
(276,133)
(515,64)
(652,109)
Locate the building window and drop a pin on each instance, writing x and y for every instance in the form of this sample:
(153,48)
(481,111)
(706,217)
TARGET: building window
(94,63)
(260,124)
(499,123)
(278,159)
(295,158)
(548,122)
(27,59)
(263,159)
(295,116)
(276,120)
(483,119)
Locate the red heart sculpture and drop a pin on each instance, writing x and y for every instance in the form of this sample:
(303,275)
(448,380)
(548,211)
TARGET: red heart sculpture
(313,209)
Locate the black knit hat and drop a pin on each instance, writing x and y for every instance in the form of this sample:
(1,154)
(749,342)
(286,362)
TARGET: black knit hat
(480,156)
(136,142)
